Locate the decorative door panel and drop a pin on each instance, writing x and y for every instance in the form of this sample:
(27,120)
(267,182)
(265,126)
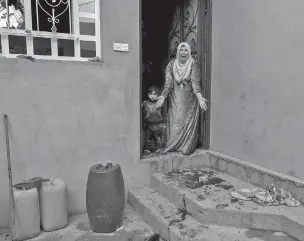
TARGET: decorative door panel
(190,12)
(175,32)
(184,27)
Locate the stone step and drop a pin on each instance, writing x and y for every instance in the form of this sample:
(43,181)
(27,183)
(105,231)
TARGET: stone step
(78,229)
(175,224)
(211,202)
(175,161)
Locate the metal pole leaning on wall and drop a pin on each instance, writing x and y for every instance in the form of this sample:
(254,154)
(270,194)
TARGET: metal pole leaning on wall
(9,166)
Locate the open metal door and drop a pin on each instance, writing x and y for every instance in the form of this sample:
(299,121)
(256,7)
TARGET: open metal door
(189,25)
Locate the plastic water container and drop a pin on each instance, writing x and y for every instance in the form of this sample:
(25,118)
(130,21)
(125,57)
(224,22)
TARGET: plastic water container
(105,198)
(53,207)
(27,214)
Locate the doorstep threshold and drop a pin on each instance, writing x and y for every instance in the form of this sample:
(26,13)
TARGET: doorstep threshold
(170,155)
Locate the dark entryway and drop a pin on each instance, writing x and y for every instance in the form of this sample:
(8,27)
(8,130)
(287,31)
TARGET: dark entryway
(164,25)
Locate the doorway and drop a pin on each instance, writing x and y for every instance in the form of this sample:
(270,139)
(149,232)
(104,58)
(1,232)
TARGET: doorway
(164,25)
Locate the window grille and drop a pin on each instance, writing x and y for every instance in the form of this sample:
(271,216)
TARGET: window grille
(51,29)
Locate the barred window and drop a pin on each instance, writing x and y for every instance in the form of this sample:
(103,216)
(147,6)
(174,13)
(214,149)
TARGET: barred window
(50,29)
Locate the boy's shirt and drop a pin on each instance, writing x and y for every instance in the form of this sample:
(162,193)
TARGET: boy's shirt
(152,114)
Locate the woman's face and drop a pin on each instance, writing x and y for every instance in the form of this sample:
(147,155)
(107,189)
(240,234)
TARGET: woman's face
(183,54)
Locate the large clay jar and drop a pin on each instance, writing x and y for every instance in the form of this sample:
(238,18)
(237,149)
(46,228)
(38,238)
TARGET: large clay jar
(105,198)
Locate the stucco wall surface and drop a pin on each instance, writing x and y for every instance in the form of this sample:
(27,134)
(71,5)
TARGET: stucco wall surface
(66,116)
(257,82)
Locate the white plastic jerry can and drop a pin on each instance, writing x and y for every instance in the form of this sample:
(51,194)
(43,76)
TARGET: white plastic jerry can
(27,213)
(53,207)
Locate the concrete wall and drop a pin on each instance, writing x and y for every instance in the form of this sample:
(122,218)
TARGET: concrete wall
(257,82)
(64,117)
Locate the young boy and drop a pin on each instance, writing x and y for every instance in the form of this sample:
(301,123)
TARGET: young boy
(154,122)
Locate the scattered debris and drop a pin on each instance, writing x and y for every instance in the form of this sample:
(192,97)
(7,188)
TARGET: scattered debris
(224,186)
(201,197)
(269,197)
(222,205)
(193,179)
(154,237)
(183,213)
(96,59)
(203,178)
(234,200)
(190,174)
(22,56)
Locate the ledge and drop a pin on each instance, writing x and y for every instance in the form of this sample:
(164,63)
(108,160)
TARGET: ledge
(257,175)
(175,161)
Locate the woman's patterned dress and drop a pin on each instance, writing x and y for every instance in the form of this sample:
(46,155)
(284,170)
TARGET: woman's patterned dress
(183,110)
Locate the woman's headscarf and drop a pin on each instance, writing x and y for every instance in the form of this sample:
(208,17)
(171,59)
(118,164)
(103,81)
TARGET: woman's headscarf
(181,71)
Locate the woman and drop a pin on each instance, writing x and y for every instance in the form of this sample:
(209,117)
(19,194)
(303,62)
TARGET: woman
(182,88)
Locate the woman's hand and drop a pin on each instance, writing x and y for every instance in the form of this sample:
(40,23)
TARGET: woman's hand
(160,101)
(202,103)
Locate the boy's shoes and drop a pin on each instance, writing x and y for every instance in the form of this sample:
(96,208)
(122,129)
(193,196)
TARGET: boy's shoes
(147,153)
(161,151)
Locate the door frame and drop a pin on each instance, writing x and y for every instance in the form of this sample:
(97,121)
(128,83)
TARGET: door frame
(141,134)
(205,58)
(205,37)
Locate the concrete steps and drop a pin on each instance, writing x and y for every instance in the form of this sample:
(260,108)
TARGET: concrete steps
(164,217)
(176,225)
(176,204)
